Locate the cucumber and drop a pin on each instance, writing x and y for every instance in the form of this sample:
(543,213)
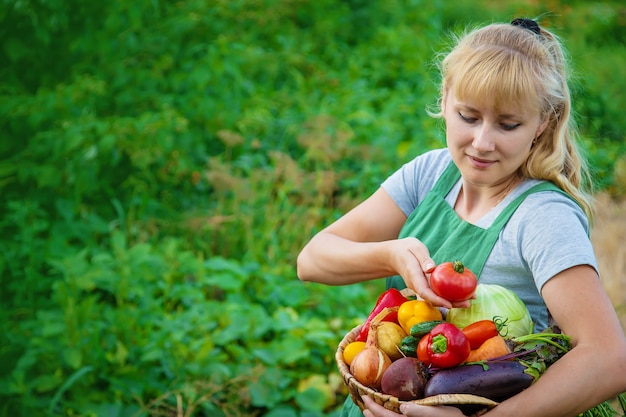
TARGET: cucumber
(421,329)
(408,346)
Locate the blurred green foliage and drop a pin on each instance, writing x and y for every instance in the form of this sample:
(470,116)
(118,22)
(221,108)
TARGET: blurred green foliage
(162,163)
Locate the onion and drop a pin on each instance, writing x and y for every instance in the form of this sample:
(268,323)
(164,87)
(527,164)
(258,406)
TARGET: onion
(389,336)
(369,365)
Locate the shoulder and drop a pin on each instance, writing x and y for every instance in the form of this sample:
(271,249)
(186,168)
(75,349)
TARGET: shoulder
(551,208)
(424,168)
(410,183)
(434,161)
(552,233)
(550,213)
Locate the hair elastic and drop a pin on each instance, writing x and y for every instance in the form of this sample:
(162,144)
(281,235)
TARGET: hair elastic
(527,24)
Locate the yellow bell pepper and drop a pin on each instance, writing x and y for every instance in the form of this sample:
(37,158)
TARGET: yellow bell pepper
(416,311)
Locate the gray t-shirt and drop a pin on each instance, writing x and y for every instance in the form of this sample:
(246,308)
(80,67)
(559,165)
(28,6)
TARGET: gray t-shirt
(547,234)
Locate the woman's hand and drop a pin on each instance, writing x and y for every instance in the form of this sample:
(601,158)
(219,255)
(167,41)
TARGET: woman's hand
(411,259)
(363,245)
(372,409)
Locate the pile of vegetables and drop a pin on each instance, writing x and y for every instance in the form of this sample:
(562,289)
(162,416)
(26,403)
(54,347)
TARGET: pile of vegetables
(407,348)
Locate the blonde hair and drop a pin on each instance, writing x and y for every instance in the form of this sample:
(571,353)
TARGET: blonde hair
(508,64)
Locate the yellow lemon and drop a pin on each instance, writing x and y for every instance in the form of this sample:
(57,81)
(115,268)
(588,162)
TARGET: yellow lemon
(352,350)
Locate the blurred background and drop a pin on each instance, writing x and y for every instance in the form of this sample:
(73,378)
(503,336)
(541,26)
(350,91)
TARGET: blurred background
(163,162)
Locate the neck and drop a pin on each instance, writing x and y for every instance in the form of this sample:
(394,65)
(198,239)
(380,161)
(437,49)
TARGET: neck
(474,202)
(509,186)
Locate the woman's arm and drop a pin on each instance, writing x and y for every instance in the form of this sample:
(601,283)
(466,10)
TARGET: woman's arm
(363,245)
(355,247)
(592,372)
(595,369)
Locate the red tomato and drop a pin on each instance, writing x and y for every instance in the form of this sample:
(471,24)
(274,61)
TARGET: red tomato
(453,281)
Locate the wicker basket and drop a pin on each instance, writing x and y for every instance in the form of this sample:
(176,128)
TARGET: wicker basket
(469,404)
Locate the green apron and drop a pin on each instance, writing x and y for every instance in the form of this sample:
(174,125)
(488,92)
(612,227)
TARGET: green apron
(448,237)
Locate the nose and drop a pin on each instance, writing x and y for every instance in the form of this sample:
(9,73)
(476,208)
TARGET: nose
(483,139)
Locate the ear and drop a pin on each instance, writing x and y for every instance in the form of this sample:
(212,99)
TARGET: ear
(542,126)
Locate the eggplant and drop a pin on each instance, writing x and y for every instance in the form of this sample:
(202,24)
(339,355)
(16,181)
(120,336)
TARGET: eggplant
(494,380)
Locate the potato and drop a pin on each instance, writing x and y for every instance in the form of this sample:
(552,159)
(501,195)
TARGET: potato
(405,379)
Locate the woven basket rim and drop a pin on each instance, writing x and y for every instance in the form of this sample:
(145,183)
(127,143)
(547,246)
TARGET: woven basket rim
(357,390)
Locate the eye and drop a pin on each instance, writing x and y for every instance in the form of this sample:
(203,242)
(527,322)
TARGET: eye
(467,118)
(510,126)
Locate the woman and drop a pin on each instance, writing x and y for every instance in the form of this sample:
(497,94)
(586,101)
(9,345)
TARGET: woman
(506,197)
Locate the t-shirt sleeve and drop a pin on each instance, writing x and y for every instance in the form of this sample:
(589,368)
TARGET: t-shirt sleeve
(555,237)
(409,185)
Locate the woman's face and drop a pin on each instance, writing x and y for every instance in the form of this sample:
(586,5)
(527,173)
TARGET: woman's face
(487,144)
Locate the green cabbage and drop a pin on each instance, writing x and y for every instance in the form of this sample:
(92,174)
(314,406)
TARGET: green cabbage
(491,301)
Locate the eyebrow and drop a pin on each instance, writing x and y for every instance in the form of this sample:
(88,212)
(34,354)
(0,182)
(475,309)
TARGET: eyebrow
(469,108)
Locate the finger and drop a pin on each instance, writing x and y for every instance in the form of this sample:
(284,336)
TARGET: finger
(416,281)
(461,304)
(429,295)
(372,409)
(421,288)
(428,265)
(415,410)
(421,254)
(426,262)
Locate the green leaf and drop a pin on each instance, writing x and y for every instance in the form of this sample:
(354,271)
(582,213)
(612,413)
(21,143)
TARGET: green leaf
(52,328)
(46,383)
(119,356)
(66,385)
(282,411)
(263,394)
(291,349)
(312,399)
(72,357)
(152,355)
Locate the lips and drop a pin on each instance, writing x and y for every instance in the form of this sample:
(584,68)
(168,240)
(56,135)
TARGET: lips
(480,163)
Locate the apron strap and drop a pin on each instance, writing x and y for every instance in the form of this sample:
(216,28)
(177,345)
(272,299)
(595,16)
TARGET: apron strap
(508,211)
(503,218)
(436,224)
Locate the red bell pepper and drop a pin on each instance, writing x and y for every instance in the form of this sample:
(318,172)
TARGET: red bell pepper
(390,298)
(447,346)
(422,350)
